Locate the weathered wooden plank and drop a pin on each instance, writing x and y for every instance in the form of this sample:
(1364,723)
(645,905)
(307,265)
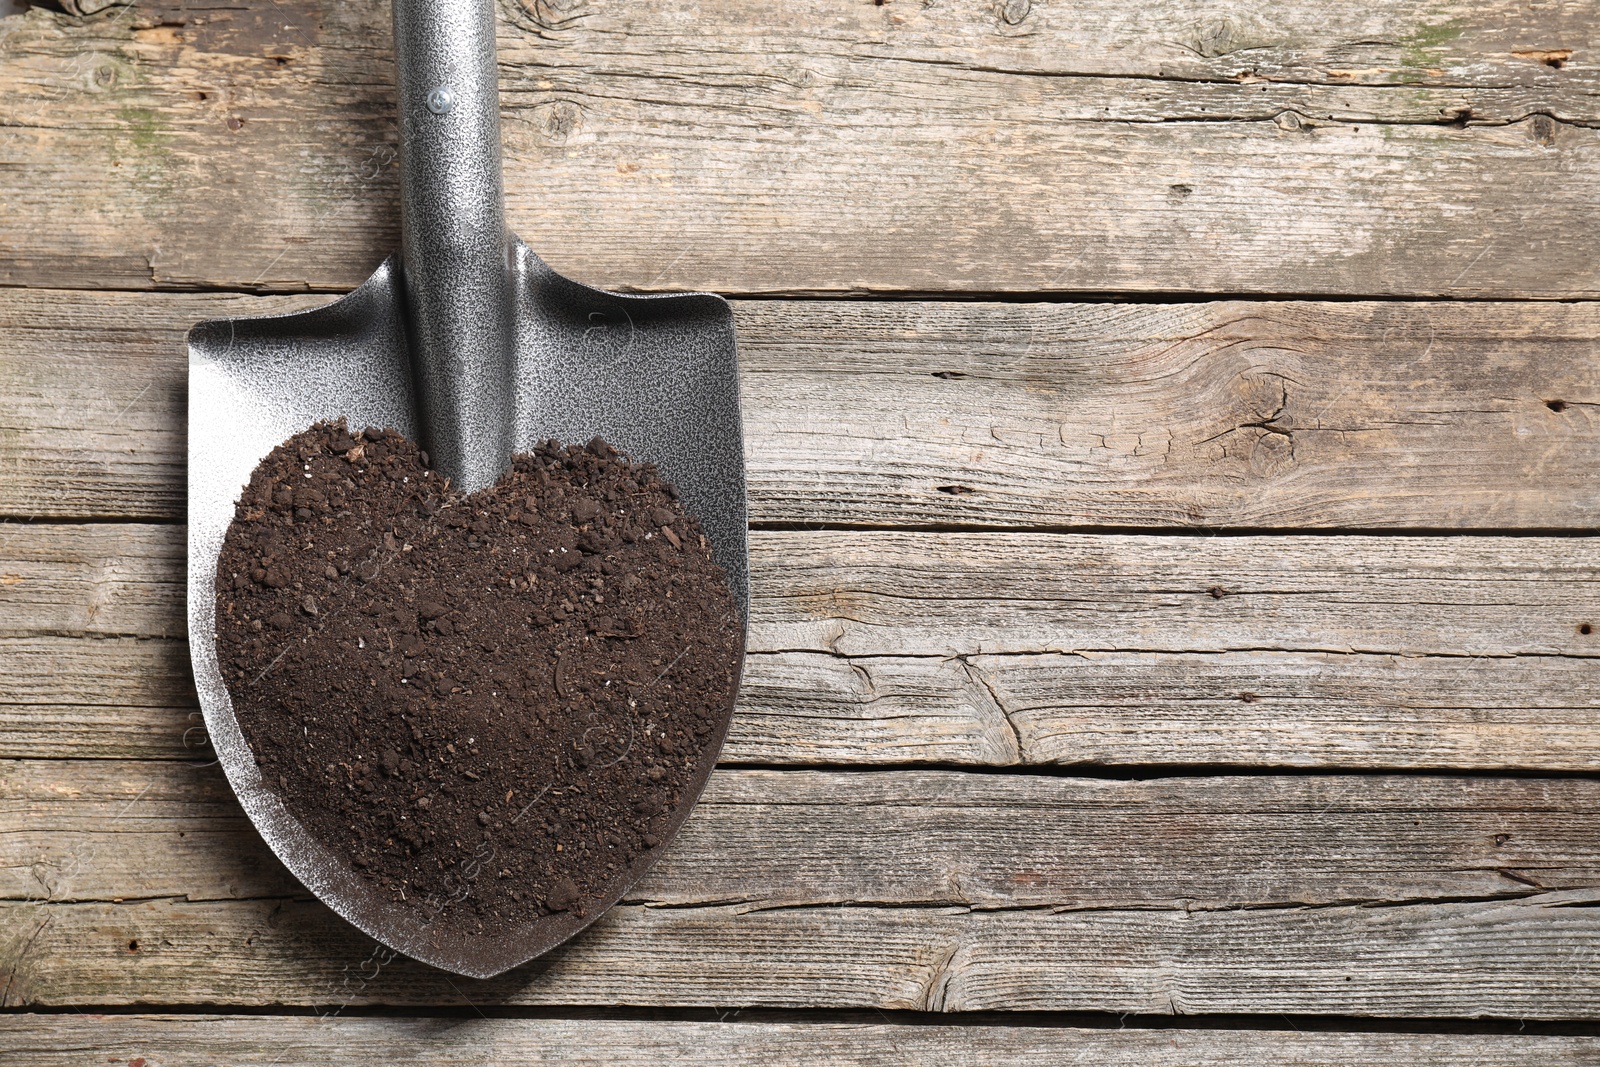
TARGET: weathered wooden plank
(93,581)
(1266,651)
(305,1041)
(1470,416)
(952,594)
(1384,44)
(835,148)
(808,707)
(1531,958)
(135,698)
(103,830)
(1299,709)
(48,673)
(1266,709)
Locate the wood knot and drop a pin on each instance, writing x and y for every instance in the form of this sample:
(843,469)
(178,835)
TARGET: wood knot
(85,8)
(1219,37)
(1272,453)
(1013,12)
(1543,130)
(549,15)
(557,121)
(1265,396)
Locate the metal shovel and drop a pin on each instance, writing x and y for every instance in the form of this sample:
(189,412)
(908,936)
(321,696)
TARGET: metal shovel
(467,342)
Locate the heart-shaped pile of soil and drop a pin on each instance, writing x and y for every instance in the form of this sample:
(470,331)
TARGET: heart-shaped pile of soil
(495,705)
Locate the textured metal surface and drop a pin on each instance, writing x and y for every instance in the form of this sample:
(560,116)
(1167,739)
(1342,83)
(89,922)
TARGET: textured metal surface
(476,367)
(453,234)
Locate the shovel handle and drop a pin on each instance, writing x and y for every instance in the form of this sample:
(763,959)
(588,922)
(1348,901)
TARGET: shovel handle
(454,243)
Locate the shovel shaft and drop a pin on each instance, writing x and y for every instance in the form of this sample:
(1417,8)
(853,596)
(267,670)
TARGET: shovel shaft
(454,241)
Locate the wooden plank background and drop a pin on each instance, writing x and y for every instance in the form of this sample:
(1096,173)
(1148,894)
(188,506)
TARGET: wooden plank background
(254,1042)
(1417,149)
(1334,652)
(1172,433)
(1230,414)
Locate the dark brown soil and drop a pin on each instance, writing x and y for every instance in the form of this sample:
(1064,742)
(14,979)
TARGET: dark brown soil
(493,704)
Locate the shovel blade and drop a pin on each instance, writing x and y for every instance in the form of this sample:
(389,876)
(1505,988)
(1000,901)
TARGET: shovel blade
(656,376)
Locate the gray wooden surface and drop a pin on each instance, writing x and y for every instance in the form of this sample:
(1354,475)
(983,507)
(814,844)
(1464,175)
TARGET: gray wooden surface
(1339,652)
(1174,606)
(1222,414)
(207,1040)
(827,146)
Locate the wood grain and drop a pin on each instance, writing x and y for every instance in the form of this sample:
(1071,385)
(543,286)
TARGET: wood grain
(1023,147)
(875,593)
(996,649)
(1299,709)
(952,594)
(301,1041)
(1226,414)
(1531,958)
(104,830)
(133,697)
(1016,148)
(123,698)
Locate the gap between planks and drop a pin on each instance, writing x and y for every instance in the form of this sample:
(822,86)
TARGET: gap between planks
(760,1038)
(114,831)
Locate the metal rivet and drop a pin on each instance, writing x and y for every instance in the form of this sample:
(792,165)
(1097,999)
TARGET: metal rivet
(441,100)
